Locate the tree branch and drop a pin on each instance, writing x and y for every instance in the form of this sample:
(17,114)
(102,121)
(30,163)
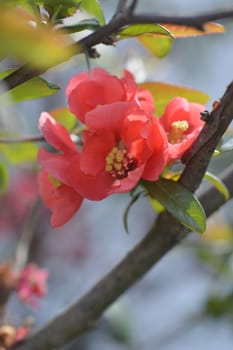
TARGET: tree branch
(117,22)
(163,236)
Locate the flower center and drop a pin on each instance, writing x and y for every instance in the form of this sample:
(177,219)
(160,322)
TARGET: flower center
(178,128)
(119,162)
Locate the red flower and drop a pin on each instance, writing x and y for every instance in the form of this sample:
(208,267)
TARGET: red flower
(116,153)
(63,200)
(32,284)
(182,123)
(86,91)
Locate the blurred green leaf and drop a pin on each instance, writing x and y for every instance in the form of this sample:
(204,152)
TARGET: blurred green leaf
(94,8)
(179,202)
(218,184)
(4,178)
(59,8)
(31,89)
(119,323)
(64,117)
(18,153)
(25,40)
(164,92)
(218,306)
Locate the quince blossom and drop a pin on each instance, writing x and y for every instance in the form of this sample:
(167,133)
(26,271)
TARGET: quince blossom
(87,90)
(182,123)
(121,143)
(116,153)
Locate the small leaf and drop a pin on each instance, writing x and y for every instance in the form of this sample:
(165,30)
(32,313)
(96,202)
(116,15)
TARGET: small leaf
(226,146)
(154,37)
(163,93)
(64,117)
(31,89)
(18,153)
(4,178)
(126,213)
(135,30)
(94,8)
(179,202)
(159,46)
(218,184)
(182,31)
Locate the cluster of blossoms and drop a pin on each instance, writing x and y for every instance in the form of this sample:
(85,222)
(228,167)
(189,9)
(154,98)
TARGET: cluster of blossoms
(123,141)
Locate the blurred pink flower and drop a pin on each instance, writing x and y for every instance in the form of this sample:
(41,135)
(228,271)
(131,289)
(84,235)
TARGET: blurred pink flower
(32,284)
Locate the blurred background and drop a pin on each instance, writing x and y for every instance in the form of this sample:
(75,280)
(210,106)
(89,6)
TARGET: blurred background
(185,301)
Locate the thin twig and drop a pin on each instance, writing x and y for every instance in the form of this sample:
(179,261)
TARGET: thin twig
(38,138)
(23,247)
(132,6)
(121,8)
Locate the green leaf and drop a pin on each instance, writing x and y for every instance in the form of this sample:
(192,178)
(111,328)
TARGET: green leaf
(32,89)
(18,153)
(218,184)
(155,38)
(64,117)
(163,93)
(160,46)
(94,8)
(4,178)
(179,202)
(140,29)
(226,146)
(90,24)
(59,8)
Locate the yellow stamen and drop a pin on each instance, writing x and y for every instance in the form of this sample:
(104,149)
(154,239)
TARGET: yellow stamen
(119,162)
(178,128)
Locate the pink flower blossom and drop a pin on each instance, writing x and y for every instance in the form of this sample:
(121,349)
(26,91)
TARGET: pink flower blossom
(86,91)
(32,284)
(182,123)
(116,152)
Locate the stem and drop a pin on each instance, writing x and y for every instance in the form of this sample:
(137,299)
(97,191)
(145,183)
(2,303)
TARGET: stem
(24,243)
(23,139)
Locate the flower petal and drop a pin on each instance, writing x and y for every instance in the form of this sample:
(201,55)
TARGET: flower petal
(109,117)
(55,134)
(62,200)
(95,151)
